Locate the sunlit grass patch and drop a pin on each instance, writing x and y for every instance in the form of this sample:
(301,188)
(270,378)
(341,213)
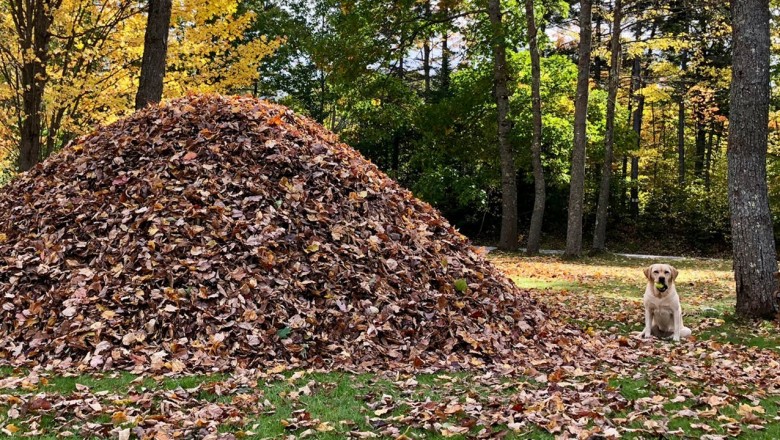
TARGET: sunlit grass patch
(605,292)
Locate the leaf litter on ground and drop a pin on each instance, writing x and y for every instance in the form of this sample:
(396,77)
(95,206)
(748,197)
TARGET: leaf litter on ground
(215,234)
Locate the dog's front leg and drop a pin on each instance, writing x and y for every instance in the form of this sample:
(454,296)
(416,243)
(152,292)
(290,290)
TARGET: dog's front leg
(647,332)
(677,324)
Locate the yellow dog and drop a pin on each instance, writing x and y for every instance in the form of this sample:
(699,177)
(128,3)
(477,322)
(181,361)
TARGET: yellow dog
(663,314)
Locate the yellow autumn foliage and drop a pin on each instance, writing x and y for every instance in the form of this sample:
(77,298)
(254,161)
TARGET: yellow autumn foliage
(95,57)
(208,51)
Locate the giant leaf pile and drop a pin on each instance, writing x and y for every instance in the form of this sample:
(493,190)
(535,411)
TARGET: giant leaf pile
(214,232)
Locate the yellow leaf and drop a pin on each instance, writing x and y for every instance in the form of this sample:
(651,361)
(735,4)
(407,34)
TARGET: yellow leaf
(118,418)
(277,369)
(325,427)
(746,409)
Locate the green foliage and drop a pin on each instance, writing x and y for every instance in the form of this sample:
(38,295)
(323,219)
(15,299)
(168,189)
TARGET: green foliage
(7,164)
(558,80)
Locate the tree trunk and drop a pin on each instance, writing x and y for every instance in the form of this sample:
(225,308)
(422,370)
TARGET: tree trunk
(681,128)
(508,239)
(624,200)
(634,187)
(150,85)
(652,125)
(537,216)
(701,146)
(755,259)
(681,142)
(32,21)
(637,121)
(623,177)
(600,232)
(427,54)
(708,158)
(577,182)
(395,156)
(597,62)
(445,70)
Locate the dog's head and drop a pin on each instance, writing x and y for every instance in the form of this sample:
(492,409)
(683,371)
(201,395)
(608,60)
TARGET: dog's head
(661,276)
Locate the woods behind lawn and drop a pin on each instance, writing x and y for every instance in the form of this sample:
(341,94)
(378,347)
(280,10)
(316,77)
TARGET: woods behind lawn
(662,390)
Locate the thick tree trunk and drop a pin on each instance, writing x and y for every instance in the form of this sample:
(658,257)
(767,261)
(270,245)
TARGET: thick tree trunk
(150,85)
(602,209)
(577,181)
(537,216)
(755,259)
(508,239)
(32,20)
(32,99)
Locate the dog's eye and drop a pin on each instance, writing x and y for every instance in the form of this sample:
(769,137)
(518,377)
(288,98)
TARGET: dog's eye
(655,271)
(666,271)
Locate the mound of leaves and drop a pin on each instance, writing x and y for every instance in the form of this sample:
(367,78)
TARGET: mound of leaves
(214,232)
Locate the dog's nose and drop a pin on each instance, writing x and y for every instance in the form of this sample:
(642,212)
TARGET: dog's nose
(662,279)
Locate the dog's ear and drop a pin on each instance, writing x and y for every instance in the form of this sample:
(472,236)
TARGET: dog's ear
(674,273)
(647,273)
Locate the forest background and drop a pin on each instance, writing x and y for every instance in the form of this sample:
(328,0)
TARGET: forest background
(410,84)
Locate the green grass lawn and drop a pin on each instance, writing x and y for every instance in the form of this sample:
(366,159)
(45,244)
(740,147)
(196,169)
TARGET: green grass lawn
(615,286)
(653,396)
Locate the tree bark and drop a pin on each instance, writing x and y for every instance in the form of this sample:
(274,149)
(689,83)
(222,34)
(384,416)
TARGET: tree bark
(637,121)
(600,232)
(755,259)
(537,216)
(681,142)
(427,54)
(625,199)
(577,182)
(597,62)
(150,85)
(508,239)
(32,21)
(681,128)
(634,208)
(701,146)
(445,70)
(708,158)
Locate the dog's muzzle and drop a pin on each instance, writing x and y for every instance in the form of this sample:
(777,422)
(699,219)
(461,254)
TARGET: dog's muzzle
(661,287)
